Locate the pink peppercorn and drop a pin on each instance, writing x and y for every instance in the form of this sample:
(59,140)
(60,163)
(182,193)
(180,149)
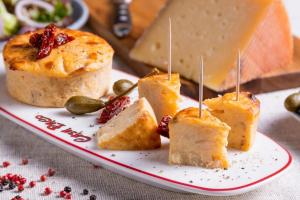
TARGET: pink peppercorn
(62,193)
(24,161)
(32,184)
(47,191)
(20,188)
(51,172)
(43,178)
(5,164)
(23,180)
(68,196)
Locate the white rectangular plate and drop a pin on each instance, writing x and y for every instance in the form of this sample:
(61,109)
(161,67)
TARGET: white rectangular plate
(249,170)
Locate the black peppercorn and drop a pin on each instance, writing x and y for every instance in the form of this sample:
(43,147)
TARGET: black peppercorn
(11,186)
(85,192)
(93,197)
(1,188)
(67,189)
(5,182)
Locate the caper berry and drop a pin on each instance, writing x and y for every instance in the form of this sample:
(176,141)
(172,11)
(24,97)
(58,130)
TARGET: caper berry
(80,105)
(292,102)
(122,86)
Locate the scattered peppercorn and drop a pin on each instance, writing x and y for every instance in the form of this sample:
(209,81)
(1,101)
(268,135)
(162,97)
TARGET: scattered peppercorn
(67,189)
(85,192)
(5,164)
(43,178)
(20,188)
(11,186)
(93,197)
(51,172)
(24,161)
(68,196)
(62,193)
(47,191)
(5,182)
(32,184)
(23,180)
(1,188)
(18,197)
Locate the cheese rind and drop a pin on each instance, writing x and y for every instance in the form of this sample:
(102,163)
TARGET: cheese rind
(242,116)
(162,94)
(217,30)
(198,141)
(133,129)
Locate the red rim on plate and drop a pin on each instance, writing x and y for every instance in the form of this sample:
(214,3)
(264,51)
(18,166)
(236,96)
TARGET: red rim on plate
(153,175)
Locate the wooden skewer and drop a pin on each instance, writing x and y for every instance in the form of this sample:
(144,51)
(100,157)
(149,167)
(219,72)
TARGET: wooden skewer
(170,50)
(238,76)
(201,87)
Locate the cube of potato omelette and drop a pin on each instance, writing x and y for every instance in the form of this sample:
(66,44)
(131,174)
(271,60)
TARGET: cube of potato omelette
(162,94)
(133,129)
(198,141)
(242,116)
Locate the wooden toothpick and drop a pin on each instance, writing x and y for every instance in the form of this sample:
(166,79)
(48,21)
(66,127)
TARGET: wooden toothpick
(201,87)
(170,50)
(238,75)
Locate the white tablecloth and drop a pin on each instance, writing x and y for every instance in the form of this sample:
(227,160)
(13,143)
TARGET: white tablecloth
(17,143)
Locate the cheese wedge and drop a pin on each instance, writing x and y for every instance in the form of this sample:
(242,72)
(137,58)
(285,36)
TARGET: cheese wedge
(162,94)
(216,29)
(242,116)
(198,141)
(133,129)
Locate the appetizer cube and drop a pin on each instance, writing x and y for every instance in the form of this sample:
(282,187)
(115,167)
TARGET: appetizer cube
(198,141)
(133,129)
(162,94)
(241,116)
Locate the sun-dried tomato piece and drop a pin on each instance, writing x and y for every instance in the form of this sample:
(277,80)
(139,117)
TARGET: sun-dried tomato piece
(163,127)
(62,39)
(114,109)
(51,27)
(46,41)
(35,40)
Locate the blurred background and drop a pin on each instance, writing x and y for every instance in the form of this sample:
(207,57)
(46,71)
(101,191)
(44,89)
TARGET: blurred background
(121,23)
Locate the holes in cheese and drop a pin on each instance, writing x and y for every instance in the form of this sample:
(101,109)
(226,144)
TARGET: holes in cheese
(216,30)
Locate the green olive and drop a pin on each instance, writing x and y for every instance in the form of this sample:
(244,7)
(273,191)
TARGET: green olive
(80,105)
(292,102)
(121,86)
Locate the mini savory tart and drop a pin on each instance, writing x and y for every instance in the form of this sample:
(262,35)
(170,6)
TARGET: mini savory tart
(162,94)
(47,67)
(198,141)
(133,129)
(242,116)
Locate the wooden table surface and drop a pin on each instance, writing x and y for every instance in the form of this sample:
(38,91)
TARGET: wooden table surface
(143,13)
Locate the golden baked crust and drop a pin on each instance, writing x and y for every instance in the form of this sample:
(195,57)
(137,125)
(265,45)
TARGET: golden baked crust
(86,53)
(198,141)
(133,129)
(162,94)
(242,116)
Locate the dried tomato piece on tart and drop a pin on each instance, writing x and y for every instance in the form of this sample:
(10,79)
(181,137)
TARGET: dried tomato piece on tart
(48,40)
